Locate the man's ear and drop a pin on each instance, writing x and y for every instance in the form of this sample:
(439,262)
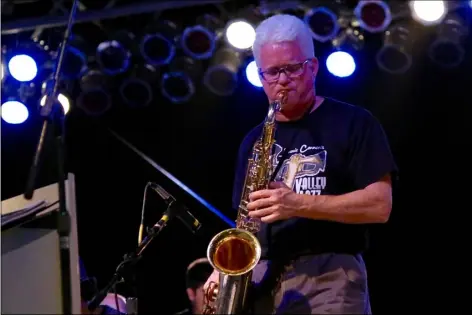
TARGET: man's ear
(315,66)
(191,294)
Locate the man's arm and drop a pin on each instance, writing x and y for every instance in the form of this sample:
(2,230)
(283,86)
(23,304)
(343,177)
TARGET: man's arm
(370,167)
(369,205)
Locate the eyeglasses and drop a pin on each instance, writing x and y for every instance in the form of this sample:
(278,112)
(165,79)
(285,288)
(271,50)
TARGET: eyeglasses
(292,71)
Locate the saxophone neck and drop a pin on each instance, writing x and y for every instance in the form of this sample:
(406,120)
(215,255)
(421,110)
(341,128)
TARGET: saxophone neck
(274,107)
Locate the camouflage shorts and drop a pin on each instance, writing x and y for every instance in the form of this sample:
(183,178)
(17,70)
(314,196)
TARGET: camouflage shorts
(318,284)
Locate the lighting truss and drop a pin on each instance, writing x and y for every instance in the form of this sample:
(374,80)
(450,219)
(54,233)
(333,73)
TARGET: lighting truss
(86,15)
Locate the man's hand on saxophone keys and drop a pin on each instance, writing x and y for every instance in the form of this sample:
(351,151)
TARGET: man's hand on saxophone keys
(279,202)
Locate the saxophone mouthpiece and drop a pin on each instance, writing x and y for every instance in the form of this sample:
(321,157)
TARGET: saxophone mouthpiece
(282,98)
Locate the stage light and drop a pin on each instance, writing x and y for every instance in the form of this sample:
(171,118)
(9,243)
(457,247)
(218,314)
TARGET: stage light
(199,41)
(14,112)
(156,49)
(374,15)
(394,57)
(75,58)
(447,51)
(470,3)
(94,98)
(63,100)
(22,68)
(341,64)
(428,12)
(75,63)
(177,85)
(323,23)
(47,88)
(113,56)
(157,46)
(252,74)
(221,77)
(136,90)
(240,34)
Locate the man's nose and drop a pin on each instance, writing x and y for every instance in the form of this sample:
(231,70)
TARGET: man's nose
(283,78)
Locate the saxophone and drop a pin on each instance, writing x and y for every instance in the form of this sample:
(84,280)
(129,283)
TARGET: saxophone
(235,252)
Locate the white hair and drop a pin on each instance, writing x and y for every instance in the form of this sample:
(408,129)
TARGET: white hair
(283,28)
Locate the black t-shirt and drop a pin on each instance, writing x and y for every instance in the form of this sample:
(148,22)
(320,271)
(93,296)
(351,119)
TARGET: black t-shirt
(336,149)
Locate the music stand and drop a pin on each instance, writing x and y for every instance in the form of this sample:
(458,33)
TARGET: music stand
(31,270)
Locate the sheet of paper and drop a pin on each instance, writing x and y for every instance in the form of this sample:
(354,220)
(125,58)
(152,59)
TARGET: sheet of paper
(29,210)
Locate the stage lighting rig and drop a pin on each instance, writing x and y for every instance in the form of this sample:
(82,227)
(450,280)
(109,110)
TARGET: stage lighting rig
(252,74)
(240,34)
(199,41)
(373,16)
(239,31)
(341,62)
(75,58)
(14,112)
(113,56)
(349,39)
(25,61)
(268,7)
(221,77)
(62,97)
(158,44)
(15,102)
(76,52)
(447,50)
(428,12)
(136,91)
(323,23)
(178,84)
(395,55)
(94,97)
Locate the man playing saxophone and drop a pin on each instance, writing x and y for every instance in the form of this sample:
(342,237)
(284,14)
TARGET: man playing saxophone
(333,169)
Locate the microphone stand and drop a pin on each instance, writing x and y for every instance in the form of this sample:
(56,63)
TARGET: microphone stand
(131,259)
(53,114)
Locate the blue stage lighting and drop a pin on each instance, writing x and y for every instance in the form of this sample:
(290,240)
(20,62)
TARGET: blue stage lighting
(14,112)
(22,68)
(252,74)
(177,87)
(156,49)
(340,64)
(198,42)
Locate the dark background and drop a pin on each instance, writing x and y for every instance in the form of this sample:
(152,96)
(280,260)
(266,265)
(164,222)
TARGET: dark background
(424,113)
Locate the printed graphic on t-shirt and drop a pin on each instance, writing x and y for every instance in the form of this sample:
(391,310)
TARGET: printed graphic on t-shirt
(303,170)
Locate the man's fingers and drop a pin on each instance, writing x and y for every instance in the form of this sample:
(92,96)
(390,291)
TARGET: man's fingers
(264,193)
(259,204)
(261,212)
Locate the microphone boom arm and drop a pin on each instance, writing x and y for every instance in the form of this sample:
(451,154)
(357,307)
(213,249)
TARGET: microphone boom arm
(160,169)
(132,258)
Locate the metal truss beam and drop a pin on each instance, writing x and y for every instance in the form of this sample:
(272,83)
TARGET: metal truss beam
(44,22)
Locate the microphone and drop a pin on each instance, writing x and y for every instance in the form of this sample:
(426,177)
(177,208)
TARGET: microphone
(176,208)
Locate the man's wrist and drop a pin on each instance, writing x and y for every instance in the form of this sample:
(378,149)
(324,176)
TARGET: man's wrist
(308,205)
